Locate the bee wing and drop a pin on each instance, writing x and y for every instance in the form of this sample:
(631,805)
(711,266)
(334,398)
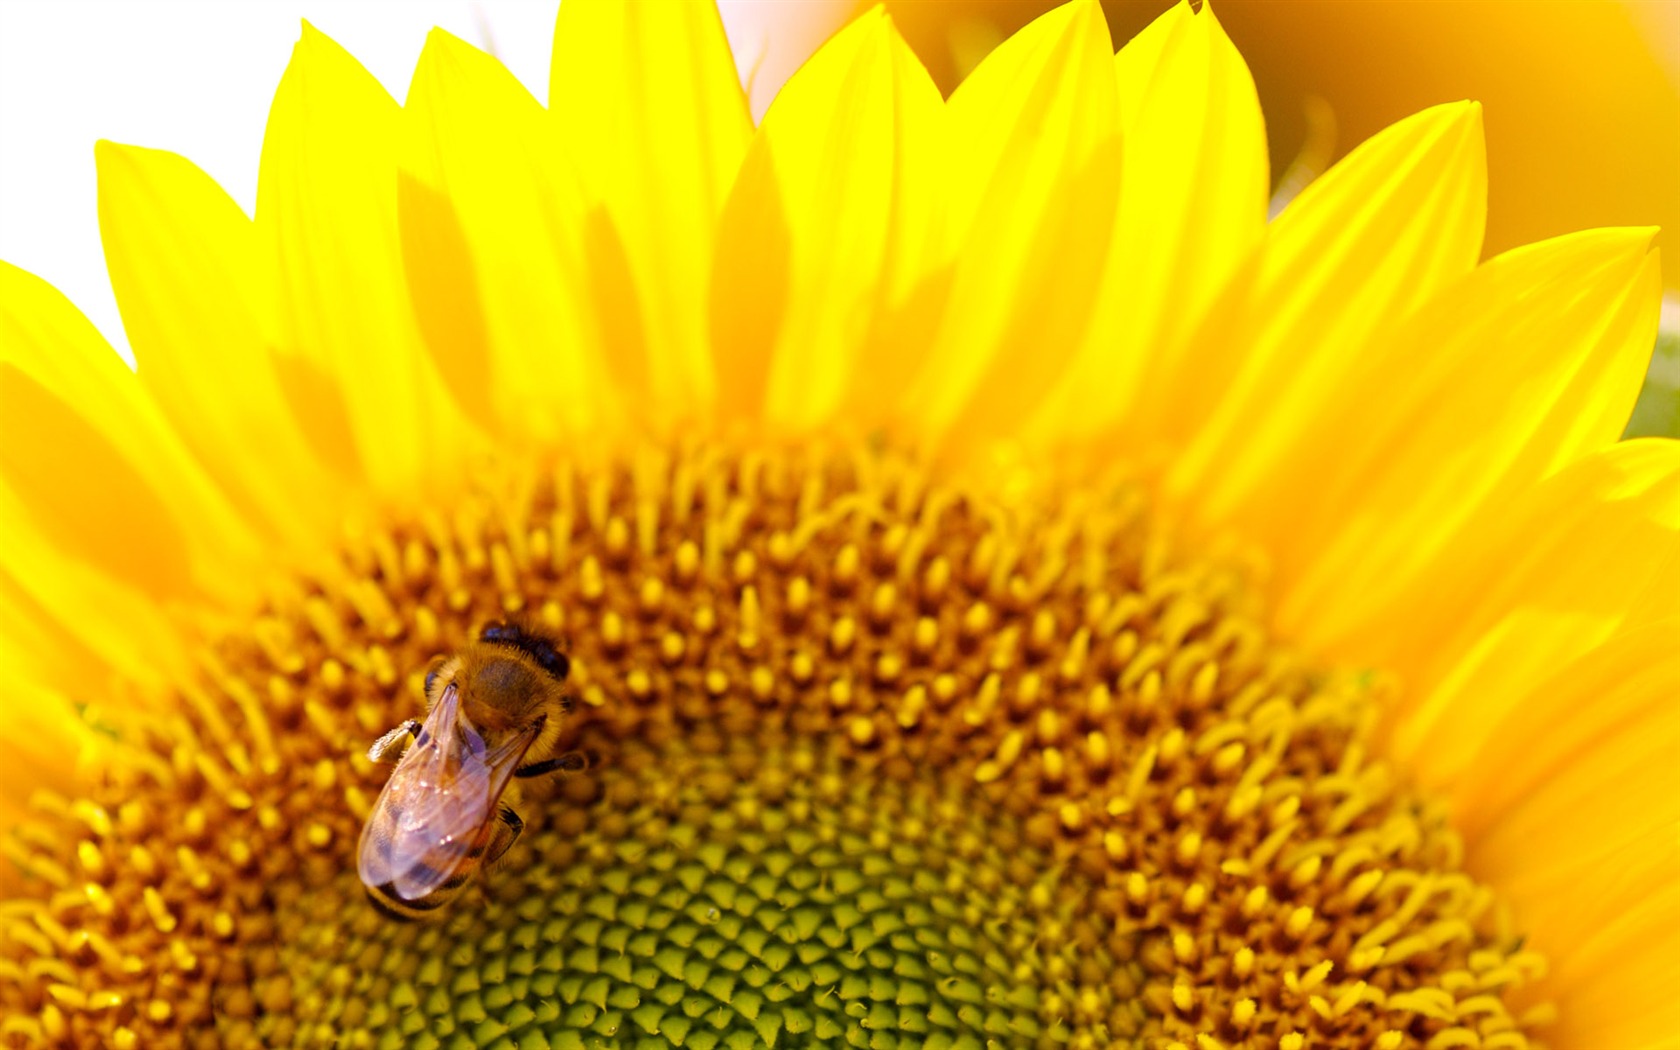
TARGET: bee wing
(430,821)
(430,812)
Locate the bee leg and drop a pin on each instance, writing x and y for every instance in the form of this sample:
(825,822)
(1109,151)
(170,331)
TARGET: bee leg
(571,762)
(387,749)
(507,834)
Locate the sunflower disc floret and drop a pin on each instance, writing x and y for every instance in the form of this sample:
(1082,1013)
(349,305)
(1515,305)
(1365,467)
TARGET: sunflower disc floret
(878,763)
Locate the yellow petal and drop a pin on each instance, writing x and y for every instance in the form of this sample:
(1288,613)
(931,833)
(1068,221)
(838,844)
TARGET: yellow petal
(34,646)
(105,518)
(1530,585)
(821,235)
(1032,153)
(101,471)
(650,108)
(1573,810)
(493,235)
(1595,711)
(1617,987)
(1193,192)
(1526,364)
(57,747)
(1379,235)
(76,608)
(327,212)
(183,262)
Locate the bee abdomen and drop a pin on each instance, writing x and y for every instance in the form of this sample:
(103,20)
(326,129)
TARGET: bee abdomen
(393,907)
(388,903)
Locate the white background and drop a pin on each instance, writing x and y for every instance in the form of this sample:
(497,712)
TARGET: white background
(197,76)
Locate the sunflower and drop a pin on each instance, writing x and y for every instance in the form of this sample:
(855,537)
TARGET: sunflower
(1016,596)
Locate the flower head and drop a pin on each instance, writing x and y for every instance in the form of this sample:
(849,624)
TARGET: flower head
(1015,594)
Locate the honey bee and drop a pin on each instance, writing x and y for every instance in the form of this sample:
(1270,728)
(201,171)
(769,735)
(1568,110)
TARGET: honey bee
(442,814)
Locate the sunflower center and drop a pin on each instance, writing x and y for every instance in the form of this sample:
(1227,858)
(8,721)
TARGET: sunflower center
(877,763)
(714,893)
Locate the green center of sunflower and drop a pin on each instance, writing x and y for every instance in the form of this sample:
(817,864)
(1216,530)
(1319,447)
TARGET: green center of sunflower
(876,763)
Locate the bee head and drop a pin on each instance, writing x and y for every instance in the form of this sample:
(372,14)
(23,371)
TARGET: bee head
(540,649)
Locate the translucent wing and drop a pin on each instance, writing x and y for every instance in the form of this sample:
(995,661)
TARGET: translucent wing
(434,815)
